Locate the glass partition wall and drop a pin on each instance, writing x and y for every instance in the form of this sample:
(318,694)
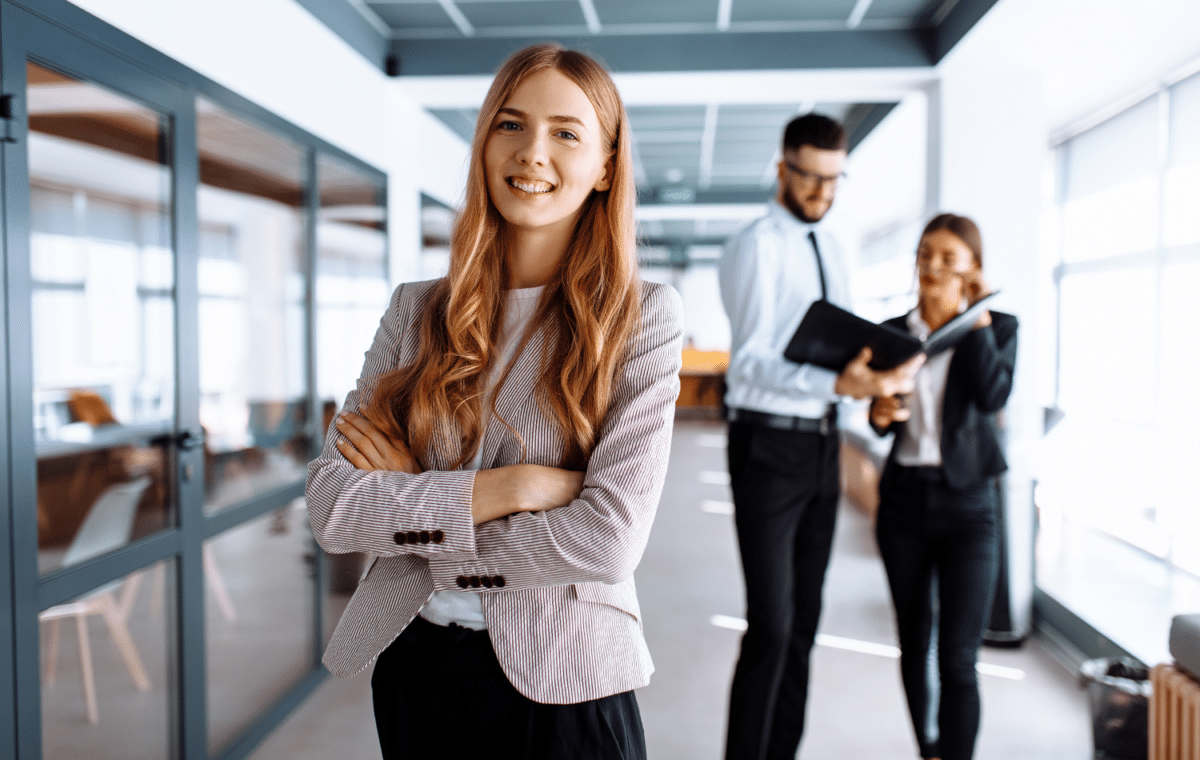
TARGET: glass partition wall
(192,283)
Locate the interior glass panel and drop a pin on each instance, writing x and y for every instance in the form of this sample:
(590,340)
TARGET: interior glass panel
(103,317)
(253,404)
(258,617)
(106,675)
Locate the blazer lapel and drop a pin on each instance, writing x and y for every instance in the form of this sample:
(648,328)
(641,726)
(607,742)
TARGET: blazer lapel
(514,402)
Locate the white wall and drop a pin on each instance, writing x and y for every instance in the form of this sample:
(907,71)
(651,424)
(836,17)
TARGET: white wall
(992,134)
(276,54)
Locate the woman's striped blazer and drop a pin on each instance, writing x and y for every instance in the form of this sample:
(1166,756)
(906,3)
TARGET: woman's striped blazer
(557,586)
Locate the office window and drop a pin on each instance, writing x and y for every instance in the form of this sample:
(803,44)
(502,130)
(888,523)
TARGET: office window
(1121,464)
(1181,185)
(1112,187)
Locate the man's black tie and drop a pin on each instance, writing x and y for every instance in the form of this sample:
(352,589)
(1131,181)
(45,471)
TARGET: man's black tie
(812,237)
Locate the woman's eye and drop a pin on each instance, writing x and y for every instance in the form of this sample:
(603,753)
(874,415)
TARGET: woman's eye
(508,126)
(566,134)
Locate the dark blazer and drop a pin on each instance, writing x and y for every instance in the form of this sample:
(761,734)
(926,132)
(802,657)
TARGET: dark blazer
(977,386)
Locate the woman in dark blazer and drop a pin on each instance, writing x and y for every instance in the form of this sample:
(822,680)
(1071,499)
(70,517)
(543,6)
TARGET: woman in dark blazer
(938,514)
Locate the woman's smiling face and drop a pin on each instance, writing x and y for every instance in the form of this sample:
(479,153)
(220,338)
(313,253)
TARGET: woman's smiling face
(942,260)
(545,154)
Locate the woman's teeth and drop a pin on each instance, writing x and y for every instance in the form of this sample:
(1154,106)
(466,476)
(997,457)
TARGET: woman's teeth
(530,186)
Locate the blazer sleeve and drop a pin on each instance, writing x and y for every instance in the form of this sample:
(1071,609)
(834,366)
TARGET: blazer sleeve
(382,512)
(988,355)
(900,323)
(601,535)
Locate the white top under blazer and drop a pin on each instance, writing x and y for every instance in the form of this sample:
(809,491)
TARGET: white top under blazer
(556,586)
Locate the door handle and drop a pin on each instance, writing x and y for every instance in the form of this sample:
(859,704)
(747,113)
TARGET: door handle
(188,439)
(185,440)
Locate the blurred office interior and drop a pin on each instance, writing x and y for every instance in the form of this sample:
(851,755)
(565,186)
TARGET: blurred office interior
(207,204)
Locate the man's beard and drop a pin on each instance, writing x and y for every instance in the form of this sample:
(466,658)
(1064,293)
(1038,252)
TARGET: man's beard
(797,210)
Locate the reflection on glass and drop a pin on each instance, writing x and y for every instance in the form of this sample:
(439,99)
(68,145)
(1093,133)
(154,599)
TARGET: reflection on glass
(251,281)
(105,672)
(103,316)
(259,617)
(351,295)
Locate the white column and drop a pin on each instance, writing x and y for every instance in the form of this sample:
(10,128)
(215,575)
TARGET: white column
(992,140)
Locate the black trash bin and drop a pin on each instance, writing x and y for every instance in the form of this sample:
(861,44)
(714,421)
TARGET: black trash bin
(1119,692)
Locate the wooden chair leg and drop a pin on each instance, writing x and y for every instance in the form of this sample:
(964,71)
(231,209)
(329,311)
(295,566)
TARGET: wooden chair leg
(52,653)
(85,663)
(121,635)
(213,576)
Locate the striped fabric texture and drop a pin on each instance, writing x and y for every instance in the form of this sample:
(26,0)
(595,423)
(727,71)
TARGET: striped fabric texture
(566,625)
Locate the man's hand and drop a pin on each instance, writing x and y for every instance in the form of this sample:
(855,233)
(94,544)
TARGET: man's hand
(368,449)
(888,409)
(860,381)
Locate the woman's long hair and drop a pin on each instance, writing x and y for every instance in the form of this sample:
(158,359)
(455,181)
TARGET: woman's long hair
(589,310)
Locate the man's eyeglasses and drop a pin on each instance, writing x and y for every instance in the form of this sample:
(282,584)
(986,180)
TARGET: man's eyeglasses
(813,178)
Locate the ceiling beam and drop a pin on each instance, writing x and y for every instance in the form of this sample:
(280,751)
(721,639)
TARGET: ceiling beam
(590,16)
(708,142)
(951,22)
(457,17)
(715,51)
(864,117)
(856,15)
(349,21)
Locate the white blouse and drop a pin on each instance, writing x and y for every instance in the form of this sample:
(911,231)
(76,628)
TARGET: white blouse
(921,439)
(463,607)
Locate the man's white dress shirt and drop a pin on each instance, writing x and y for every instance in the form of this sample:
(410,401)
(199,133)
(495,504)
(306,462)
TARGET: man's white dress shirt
(769,278)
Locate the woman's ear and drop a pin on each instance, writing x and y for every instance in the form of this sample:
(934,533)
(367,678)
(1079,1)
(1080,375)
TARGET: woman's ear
(605,181)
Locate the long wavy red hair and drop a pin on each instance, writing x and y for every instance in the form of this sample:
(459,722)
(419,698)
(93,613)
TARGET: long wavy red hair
(588,313)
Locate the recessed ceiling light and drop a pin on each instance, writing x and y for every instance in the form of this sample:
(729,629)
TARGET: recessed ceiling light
(674,174)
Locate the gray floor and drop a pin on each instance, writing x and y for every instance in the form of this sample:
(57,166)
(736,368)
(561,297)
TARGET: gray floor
(689,574)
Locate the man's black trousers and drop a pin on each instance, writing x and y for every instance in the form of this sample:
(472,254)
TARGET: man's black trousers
(785,495)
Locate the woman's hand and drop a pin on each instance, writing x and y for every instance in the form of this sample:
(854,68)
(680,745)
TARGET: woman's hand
(368,449)
(522,488)
(888,409)
(975,288)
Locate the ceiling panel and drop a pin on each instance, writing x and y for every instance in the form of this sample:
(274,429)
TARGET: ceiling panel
(791,10)
(522,13)
(657,12)
(461,120)
(913,11)
(646,119)
(414,15)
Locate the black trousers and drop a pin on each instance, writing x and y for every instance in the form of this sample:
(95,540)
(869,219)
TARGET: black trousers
(931,535)
(439,693)
(785,495)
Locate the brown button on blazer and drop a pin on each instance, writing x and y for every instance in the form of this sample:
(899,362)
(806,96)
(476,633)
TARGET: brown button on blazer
(564,621)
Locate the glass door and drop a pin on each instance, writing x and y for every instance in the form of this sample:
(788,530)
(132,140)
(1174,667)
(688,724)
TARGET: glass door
(103,449)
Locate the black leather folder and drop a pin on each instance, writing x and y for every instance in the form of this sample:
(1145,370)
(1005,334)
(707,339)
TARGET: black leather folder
(829,336)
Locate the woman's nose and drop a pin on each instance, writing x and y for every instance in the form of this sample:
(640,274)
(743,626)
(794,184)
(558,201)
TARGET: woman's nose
(533,150)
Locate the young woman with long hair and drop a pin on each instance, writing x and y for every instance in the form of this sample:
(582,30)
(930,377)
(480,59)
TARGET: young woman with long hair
(504,453)
(938,516)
